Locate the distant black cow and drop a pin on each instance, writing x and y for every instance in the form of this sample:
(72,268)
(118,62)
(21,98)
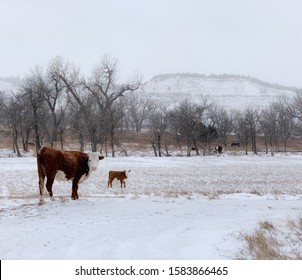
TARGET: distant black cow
(235,144)
(218,149)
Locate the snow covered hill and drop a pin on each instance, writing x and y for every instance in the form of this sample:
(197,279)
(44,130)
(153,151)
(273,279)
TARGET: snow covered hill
(9,85)
(229,91)
(5,86)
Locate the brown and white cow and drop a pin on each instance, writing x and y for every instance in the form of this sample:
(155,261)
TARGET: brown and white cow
(119,175)
(64,165)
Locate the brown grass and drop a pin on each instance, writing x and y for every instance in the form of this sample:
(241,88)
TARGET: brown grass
(268,242)
(140,141)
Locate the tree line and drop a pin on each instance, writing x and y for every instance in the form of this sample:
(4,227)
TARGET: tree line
(58,103)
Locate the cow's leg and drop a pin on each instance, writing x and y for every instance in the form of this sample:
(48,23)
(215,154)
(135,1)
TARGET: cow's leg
(74,193)
(49,184)
(41,188)
(41,175)
(124,184)
(121,183)
(41,184)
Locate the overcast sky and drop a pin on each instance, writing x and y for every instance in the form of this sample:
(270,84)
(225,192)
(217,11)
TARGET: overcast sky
(260,38)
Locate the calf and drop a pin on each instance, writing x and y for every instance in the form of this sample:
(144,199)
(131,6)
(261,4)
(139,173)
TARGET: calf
(119,175)
(64,165)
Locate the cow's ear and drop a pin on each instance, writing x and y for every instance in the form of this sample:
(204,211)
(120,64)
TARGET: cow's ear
(101,157)
(129,170)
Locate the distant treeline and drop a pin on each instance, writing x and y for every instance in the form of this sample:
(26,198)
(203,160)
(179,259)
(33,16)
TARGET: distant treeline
(59,104)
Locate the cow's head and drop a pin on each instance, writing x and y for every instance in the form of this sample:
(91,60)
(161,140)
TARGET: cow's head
(126,173)
(93,161)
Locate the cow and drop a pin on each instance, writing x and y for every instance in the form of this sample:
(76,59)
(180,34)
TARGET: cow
(64,165)
(218,149)
(235,144)
(119,175)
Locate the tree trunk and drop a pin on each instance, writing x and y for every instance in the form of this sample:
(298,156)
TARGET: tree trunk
(62,140)
(93,140)
(36,130)
(159,145)
(15,143)
(81,140)
(154,148)
(112,141)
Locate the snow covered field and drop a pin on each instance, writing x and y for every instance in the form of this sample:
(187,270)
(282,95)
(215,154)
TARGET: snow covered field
(172,208)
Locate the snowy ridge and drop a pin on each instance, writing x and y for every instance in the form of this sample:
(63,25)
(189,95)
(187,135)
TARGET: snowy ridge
(6,87)
(10,84)
(229,91)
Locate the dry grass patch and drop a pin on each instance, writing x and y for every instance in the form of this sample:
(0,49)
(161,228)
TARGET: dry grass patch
(269,242)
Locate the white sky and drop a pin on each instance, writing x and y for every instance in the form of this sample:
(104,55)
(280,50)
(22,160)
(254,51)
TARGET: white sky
(260,38)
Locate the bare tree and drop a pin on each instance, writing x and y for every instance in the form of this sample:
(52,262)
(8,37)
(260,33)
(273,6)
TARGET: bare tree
(186,120)
(56,103)
(106,91)
(16,114)
(2,103)
(242,130)
(78,125)
(294,106)
(247,127)
(222,121)
(285,123)
(2,106)
(136,111)
(33,92)
(268,123)
(158,122)
(72,83)
(13,111)
(205,134)
(252,120)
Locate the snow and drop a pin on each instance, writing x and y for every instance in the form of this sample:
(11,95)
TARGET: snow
(172,208)
(7,87)
(230,93)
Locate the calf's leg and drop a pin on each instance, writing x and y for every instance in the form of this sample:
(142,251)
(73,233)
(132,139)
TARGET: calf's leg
(110,182)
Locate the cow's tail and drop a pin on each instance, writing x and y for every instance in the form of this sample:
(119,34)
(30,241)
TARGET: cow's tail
(41,174)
